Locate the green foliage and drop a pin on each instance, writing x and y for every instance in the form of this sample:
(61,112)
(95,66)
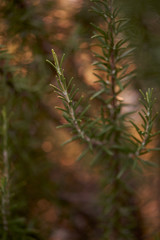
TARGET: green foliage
(107,135)
(103,125)
(14,156)
(146,135)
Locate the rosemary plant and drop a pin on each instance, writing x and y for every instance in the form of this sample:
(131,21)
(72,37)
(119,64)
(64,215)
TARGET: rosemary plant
(108,134)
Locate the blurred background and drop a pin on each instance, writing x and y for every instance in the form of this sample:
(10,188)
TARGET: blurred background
(56,194)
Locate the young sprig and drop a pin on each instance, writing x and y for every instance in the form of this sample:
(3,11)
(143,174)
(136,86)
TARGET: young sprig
(146,134)
(77,121)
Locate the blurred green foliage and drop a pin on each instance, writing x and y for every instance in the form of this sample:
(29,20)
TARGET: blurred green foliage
(144,33)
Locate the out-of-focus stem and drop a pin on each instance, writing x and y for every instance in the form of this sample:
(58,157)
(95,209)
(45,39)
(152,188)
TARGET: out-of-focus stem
(5,193)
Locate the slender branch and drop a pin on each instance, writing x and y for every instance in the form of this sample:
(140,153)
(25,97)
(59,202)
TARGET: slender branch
(112,61)
(148,119)
(6,193)
(65,95)
(82,134)
(143,143)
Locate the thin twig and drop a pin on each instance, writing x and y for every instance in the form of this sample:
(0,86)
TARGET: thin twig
(6,193)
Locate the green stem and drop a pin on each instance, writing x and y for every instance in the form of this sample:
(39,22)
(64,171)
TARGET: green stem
(6,193)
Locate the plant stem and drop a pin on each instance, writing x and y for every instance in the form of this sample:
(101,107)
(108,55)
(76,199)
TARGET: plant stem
(6,193)
(117,185)
(83,135)
(112,61)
